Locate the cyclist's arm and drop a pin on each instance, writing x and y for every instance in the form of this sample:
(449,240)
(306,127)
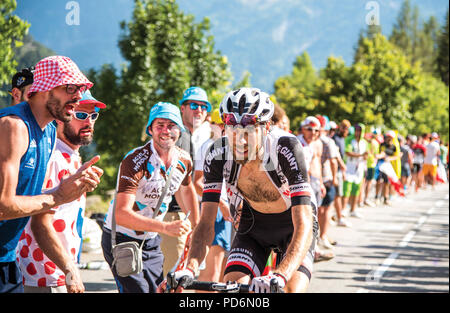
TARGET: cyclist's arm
(202,236)
(294,168)
(301,240)
(212,186)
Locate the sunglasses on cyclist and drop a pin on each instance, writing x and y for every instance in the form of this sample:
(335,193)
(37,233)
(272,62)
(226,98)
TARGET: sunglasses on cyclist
(82,116)
(194,106)
(71,88)
(246,120)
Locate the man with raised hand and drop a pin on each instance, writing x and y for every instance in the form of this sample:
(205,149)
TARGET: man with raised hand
(50,246)
(28,140)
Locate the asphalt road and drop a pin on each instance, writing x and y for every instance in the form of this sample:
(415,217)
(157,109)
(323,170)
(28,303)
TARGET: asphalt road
(400,248)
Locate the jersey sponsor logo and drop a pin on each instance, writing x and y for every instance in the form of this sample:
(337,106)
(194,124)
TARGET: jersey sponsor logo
(140,158)
(33,143)
(289,155)
(243,259)
(128,178)
(213,155)
(31,163)
(213,187)
(299,190)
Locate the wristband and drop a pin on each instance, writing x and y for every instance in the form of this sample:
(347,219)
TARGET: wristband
(282,276)
(190,269)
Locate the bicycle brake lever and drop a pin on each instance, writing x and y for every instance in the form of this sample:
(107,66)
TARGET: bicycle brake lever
(171,282)
(274,287)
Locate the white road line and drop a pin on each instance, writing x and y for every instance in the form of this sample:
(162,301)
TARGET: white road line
(375,276)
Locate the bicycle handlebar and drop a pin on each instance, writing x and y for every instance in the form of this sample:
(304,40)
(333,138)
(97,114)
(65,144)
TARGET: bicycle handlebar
(228,287)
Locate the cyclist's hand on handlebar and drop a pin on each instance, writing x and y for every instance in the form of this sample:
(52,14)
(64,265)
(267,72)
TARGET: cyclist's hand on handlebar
(180,280)
(261,284)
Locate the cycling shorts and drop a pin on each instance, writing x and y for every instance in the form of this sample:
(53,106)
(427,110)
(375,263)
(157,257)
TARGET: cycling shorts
(254,241)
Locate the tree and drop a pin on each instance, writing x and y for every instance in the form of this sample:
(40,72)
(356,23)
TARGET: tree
(166,52)
(418,41)
(294,92)
(26,55)
(442,57)
(12,30)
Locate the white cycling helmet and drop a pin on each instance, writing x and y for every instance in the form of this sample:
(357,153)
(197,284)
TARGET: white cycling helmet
(244,103)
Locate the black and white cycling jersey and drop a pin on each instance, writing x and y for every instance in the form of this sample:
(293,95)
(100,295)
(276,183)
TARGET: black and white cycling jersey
(284,164)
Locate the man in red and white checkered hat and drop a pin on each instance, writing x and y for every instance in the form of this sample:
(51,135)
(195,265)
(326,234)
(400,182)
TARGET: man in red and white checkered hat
(29,137)
(57,87)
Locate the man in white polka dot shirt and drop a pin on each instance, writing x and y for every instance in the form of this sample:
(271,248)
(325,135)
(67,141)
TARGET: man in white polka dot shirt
(49,247)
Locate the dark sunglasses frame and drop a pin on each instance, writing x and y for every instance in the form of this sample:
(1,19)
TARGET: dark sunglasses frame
(72,88)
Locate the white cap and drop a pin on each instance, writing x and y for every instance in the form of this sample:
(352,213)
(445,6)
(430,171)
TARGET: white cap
(311,121)
(390,133)
(333,125)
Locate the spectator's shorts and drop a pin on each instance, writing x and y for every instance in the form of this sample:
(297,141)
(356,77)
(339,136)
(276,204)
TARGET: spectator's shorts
(406,170)
(429,169)
(351,189)
(330,195)
(370,175)
(222,232)
(417,167)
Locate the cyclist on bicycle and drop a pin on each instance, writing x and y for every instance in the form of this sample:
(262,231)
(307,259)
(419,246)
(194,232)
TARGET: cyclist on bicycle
(265,173)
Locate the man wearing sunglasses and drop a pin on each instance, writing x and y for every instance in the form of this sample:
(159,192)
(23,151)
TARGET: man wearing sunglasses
(28,140)
(194,107)
(56,236)
(264,171)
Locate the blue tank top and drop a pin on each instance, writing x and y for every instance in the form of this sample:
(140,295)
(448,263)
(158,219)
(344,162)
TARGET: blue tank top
(33,166)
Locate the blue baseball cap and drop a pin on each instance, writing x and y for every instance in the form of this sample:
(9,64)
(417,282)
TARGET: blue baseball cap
(87,98)
(197,94)
(165,110)
(327,122)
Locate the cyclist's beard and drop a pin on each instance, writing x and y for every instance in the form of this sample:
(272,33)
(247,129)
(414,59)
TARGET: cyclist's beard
(57,110)
(75,138)
(253,150)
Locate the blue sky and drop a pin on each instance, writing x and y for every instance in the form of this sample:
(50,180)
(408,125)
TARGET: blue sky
(262,36)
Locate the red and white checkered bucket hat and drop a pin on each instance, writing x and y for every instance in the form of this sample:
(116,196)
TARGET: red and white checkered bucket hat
(56,71)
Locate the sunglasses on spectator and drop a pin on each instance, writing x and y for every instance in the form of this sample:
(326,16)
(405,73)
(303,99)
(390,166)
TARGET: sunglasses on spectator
(312,129)
(194,106)
(82,116)
(71,88)
(246,120)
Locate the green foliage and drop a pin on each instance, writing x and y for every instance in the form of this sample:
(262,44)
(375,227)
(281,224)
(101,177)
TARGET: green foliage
(418,41)
(28,54)
(295,92)
(12,29)
(443,53)
(166,52)
(381,87)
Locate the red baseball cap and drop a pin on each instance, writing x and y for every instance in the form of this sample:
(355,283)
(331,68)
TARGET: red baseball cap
(56,71)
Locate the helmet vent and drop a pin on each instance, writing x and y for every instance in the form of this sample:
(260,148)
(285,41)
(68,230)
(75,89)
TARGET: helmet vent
(229,105)
(254,107)
(242,102)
